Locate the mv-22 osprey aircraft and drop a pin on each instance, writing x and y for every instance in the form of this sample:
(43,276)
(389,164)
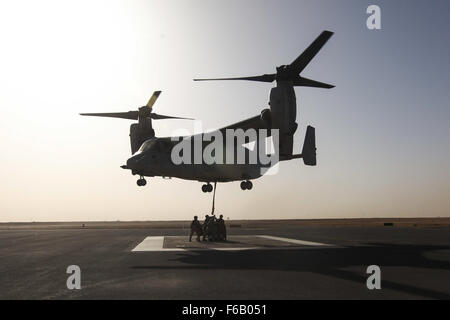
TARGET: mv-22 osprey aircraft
(152,155)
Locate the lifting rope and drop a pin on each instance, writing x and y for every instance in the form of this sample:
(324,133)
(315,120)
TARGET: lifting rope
(214,198)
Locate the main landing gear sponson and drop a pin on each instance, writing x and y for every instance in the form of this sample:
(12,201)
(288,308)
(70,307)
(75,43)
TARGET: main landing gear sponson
(207,187)
(141,182)
(246,185)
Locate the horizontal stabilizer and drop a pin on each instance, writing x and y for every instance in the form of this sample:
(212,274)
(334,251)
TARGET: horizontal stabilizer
(290,157)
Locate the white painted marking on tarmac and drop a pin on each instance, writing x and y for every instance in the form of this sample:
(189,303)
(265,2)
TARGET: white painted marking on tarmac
(153,244)
(236,249)
(295,241)
(156,243)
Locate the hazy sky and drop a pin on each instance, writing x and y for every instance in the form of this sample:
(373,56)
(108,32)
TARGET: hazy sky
(383,133)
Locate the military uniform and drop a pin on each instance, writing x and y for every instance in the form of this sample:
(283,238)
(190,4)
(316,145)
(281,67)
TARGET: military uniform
(196,227)
(212,229)
(205,227)
(222,229)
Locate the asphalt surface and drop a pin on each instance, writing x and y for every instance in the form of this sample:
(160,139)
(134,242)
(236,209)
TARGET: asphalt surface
(414,262)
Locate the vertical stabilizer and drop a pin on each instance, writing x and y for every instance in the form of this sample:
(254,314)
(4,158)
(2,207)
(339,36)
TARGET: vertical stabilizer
(309,147)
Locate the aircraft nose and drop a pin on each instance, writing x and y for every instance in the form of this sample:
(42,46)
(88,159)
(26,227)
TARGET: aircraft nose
(130,163)
(136,162)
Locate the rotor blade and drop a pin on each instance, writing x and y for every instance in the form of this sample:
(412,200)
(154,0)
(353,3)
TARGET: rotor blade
(153,99)
(263,78)
(302,61)
(156,116)
(131,115)
(305,82)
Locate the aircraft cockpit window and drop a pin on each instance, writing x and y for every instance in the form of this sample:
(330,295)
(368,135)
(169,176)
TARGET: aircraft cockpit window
(157,146)
(147,145)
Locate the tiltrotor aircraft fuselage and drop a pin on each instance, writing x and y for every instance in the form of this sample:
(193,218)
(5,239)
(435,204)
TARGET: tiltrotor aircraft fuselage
(154,156)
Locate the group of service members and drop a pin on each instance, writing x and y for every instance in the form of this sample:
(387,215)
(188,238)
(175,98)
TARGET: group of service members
(212,229)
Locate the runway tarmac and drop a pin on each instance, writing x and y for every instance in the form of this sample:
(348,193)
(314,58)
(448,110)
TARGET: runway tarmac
(299,262)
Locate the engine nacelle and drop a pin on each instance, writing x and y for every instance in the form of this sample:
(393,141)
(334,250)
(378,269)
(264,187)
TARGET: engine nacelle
(283,109)
(140,132)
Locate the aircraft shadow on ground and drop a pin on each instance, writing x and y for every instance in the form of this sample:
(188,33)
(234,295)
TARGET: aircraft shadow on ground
(326,261)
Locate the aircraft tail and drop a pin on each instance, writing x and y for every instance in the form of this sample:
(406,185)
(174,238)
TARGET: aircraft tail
(309,147)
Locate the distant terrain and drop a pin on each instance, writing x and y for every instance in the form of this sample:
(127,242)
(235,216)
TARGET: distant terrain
(388,222)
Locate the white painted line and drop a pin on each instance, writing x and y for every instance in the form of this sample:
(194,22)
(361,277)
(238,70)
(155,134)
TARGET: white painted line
(157,244)
(295,241)
(153,244)
(235,249)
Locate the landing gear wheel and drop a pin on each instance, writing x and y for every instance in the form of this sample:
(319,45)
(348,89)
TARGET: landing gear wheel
(207,187)
(141,182)
(246,185)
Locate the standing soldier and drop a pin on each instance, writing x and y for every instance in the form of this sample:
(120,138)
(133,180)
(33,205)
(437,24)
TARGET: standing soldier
(222,228)
(196,228)
(212,228)
(205,227)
